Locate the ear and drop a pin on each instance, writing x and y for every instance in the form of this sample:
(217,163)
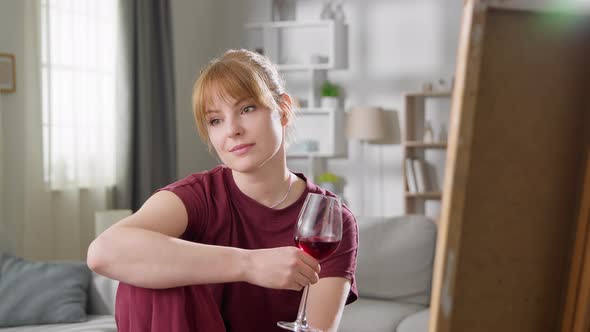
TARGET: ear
(285,105)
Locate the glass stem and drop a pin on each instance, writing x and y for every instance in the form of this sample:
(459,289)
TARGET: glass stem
(301,318)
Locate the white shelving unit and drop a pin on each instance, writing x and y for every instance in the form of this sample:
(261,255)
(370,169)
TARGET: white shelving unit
(277,38)
(323,125)
(310,48)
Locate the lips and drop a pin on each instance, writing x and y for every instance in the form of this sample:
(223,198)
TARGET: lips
(241,148)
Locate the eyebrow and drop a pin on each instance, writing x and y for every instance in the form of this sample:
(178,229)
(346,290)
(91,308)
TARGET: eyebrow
(235,104)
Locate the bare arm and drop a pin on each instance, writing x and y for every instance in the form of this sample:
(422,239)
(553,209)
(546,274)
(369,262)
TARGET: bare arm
(144,250)
(326,302)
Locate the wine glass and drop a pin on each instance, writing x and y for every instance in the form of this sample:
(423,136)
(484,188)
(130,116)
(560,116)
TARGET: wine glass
(318,232)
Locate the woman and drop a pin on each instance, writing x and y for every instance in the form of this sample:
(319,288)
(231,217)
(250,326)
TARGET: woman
(214,251)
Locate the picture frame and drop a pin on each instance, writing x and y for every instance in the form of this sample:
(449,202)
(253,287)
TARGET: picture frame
(7,73)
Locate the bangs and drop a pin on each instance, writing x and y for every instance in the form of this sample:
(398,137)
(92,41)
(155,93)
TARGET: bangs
(232,80)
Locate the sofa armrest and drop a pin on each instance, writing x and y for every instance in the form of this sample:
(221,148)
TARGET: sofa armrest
(101,295)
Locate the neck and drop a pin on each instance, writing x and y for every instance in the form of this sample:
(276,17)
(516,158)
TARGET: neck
(268,184)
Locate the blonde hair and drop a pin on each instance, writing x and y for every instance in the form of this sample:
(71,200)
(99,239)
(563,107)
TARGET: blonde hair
(239,74)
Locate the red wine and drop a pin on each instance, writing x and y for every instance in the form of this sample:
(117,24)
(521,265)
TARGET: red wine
(318,247)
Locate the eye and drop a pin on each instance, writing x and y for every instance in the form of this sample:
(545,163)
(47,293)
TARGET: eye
(214,122)
(248,109)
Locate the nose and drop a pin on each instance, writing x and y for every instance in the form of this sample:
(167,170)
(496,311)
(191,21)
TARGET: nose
(235,127)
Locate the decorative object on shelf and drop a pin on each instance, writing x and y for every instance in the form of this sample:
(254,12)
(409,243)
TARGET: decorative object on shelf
(331,182)
(283,10)
(443,85)
(428,133)
(7,73)
(327,13)
(319,59)
(427,87)
(411,176)
(339,12)
(420,177)
(299,103)
(420,168)
(442,133)
(370,125)
(304,146)
(329,95)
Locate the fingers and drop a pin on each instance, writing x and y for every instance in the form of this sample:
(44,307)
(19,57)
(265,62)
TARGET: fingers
(310,274)
(309,261)
(301,280)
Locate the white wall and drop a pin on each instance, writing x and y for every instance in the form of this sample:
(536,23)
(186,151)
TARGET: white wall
(195,37)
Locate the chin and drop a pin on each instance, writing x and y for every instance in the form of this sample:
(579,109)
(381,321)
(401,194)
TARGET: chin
(246,164)
(242,165)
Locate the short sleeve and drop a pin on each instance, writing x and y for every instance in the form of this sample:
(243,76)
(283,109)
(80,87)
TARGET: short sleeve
(342,263)
(193,196)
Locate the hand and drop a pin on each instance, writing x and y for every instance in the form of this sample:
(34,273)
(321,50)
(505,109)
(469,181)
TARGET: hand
(281,268)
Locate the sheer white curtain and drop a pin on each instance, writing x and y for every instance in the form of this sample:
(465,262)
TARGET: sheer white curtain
(69,142)
(79,40)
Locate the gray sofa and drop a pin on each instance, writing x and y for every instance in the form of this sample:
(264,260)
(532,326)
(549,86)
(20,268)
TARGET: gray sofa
(393,275)
(100,309)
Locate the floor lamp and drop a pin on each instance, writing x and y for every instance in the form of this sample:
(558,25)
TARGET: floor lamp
(367,125)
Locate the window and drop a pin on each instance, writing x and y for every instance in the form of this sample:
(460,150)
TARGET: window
(78,63)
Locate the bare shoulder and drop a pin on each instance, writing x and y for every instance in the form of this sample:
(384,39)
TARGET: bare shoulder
(164,212)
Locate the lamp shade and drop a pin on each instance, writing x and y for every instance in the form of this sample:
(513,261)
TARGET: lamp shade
(367,124)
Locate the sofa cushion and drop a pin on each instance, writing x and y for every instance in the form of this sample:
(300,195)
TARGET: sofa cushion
(395,258)
(101,295)
(370,315)
(42,293)
(93,324)
(416,322)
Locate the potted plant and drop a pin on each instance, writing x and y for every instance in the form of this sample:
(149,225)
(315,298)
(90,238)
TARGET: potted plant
(330,181)
(329,95)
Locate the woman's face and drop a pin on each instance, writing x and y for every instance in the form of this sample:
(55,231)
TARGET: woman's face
(244,134)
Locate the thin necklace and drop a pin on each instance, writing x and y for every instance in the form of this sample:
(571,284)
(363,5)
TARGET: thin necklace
(287,194)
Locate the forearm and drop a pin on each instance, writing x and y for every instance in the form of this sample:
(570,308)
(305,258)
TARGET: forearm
(152,260)
(326,303)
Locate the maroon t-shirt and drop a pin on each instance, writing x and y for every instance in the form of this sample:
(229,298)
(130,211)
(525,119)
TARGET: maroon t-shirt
(220,214)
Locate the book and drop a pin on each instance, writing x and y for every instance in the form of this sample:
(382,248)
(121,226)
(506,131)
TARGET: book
(420,170)
(410,176)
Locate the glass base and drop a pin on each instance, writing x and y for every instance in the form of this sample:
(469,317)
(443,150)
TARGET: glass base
(292,326)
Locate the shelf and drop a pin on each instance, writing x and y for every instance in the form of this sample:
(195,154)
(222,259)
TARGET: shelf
(314,111)
(305,155)
(303,67)
(422,145)
(323,129)
(434,94)
(424,195)
(287,44)
(289,24)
